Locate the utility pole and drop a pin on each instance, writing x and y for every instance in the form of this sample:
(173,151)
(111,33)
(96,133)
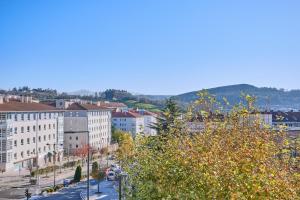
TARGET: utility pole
(88,165)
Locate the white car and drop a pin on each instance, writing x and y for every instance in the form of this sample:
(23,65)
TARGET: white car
(111,176)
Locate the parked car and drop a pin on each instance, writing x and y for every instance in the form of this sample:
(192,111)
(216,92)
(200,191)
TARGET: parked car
(66,182)
(111,176)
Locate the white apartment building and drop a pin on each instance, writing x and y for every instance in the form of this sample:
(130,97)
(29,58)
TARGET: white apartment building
(128,121)
(83,119)
(30,134)
(150,119)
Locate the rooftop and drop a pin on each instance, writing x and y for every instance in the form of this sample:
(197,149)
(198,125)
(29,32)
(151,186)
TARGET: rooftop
(13,106)
(128,114)
(77,106)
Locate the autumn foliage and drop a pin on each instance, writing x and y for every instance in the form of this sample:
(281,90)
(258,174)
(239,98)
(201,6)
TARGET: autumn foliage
(233,157)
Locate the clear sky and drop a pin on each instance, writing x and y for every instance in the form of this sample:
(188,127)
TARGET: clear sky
(149,46)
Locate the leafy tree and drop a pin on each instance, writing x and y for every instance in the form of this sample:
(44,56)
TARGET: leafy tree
(125,150)
(117,134)
(77,175)
(97,174)
(233,157)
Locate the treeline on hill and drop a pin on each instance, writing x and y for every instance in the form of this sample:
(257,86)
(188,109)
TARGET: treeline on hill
(108,95)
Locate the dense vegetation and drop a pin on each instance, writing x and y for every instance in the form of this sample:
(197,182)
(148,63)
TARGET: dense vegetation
(133,101)
(234,157)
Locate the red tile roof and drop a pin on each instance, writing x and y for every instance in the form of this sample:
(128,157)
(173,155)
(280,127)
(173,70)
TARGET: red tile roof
(18,106)
(126,115)
(77,106)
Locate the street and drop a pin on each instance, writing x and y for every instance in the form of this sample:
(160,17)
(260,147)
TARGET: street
(75,192)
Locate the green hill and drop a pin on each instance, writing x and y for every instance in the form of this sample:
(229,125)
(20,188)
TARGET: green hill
(276,99)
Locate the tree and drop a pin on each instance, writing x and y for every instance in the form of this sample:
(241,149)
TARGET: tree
(125,150)
(77,175)
(82,152)
(97,174)
(117,134)
(169,121)
(234,157)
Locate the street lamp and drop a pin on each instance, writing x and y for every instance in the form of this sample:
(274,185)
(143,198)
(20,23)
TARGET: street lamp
(121,176)
(54,159)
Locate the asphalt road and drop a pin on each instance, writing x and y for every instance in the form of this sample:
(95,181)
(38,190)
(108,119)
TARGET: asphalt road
(73,192)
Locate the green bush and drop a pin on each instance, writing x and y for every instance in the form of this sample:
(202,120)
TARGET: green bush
(77,175)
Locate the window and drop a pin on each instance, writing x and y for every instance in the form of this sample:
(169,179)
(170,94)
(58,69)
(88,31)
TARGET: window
(15,143)
(33,151)
(49,137)
(45,127)
(28,153)
(53,126)
(22,154)
(49,147)
(70,138)
(16,130)
(44,148)
(22,117)
(39,149)
(33,128)
(15,156)
(28,141)
(33,139)
(49,126)
(22,129)
(16,117)
(76,146)
(76,137)
(28,116)
(53,136)
(34,116)
(40,127)
(28,129)
(22,142)
(40,115)
(40,139)
(44,137)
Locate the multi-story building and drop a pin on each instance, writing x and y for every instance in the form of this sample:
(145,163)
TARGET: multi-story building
(128,121)
(81,120)
(150,119)
(31,134)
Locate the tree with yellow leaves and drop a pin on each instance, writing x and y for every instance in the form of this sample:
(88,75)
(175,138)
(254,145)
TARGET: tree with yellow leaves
(235,156)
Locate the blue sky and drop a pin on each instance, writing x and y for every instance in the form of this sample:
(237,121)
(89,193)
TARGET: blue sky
(149,46)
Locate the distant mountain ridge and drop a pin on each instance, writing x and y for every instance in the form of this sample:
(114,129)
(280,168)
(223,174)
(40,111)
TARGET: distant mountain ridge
(267,98)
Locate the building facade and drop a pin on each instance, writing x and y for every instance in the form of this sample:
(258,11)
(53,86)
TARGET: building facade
(31,135)
(128,121)
(150,119)
(81,120)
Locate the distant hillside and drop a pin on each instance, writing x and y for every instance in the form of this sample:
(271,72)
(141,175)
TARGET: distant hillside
(276,99)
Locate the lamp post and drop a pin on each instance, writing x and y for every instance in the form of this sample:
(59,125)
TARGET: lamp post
(54,159)
(88,166)
(121,176)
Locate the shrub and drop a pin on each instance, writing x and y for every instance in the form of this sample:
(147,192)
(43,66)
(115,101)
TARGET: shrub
(78,176)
